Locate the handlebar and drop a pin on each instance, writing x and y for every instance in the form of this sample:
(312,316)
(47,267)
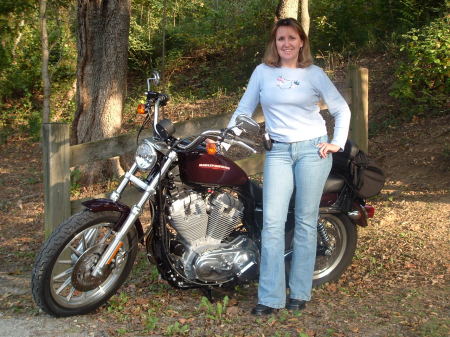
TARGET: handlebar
(157,97)
(245,141)
(199,139)
(226,137)
(241,144)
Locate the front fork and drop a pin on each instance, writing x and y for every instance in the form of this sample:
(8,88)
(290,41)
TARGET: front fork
(149,190)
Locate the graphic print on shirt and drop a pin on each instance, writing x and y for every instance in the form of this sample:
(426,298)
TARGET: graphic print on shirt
(284,83)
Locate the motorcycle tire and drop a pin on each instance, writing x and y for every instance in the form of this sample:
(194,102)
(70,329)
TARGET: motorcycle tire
(343,238)
(61,281)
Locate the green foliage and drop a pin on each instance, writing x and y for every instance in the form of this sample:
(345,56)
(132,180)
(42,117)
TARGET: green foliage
(151,320)
(75,177)
(423,81)
(177,329)
(117,303)
(434,327)
(211,46)
(214,312)
(20,62)
(351,25)
(20,51)
(147,24)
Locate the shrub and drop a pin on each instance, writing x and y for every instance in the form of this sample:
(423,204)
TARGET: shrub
(422,79)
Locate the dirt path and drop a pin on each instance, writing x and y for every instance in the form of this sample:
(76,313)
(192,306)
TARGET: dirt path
(397,285)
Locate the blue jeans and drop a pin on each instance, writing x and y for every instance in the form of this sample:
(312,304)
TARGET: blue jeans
(288,165)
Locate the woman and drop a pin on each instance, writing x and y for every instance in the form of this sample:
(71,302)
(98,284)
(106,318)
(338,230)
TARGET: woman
(288,87)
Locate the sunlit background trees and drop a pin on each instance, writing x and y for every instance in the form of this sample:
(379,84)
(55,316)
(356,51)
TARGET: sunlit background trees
(211,47)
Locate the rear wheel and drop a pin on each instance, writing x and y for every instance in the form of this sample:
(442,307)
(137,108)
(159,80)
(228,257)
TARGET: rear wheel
(335,254)
(62,282)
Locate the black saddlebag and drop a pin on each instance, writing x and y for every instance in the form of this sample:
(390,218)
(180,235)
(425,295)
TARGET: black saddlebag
(362,173)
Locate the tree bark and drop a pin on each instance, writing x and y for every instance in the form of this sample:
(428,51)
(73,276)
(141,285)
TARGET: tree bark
(287,9)
(103,27)
(304,14)
(45,56)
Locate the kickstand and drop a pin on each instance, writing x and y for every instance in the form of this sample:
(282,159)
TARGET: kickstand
(208,293)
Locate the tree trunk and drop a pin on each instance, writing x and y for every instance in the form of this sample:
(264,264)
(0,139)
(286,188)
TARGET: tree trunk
(287,9)
(103,27)
(305,16)
(45,55)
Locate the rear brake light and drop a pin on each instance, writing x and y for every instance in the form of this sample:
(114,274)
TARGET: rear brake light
(370,211)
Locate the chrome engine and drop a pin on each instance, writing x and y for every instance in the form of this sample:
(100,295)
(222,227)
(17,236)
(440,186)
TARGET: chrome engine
(202,224)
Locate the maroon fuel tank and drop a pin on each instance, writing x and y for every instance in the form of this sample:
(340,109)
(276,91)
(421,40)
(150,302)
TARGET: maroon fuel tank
(203,168)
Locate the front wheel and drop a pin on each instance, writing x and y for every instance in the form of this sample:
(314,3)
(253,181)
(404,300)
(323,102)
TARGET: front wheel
(62,283)
(335,248)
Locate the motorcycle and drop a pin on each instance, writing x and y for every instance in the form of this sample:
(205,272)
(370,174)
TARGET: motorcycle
(206,221)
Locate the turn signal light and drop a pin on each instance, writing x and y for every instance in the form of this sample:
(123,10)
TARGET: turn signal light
(211,148)
(141,109)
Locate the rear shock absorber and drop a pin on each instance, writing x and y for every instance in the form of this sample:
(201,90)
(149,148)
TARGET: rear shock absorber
(324,237)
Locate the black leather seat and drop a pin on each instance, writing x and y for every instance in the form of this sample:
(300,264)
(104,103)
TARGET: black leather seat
(333,184)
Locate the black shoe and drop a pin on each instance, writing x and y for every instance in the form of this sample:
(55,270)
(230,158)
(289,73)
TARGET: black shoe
(261,309)
(295,304)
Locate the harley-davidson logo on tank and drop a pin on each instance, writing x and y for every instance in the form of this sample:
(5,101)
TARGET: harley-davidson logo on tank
(202,168)
(214,167)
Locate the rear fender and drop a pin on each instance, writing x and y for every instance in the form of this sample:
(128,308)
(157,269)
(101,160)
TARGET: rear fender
(358,215)
(102,205)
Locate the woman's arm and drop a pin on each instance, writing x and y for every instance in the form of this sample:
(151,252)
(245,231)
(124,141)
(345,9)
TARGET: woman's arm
(250,99)
(338,108)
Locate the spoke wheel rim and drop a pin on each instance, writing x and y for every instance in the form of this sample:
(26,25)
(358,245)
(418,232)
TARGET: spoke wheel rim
(338,240)
(61,287)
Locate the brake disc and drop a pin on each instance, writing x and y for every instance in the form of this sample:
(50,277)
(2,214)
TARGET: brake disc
(82,278)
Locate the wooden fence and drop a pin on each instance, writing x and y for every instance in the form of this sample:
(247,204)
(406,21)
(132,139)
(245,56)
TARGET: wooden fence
(59,156)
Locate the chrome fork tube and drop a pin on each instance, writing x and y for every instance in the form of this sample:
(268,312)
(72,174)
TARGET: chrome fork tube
(112,249)
(115,195)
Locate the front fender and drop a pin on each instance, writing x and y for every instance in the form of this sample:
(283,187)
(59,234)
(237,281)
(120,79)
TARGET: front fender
(103,205)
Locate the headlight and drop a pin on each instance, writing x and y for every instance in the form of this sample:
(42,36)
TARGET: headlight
(145,156)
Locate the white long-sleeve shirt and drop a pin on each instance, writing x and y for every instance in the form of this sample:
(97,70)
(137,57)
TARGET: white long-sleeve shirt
(289,98)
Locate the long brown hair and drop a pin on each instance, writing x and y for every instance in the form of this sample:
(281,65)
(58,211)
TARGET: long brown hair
(271,57)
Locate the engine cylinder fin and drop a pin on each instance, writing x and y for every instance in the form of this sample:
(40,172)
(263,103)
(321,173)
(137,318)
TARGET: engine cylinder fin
(226,212)
(189,217)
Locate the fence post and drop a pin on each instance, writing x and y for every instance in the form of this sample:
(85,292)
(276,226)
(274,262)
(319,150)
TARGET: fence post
(359,124)
(56,162)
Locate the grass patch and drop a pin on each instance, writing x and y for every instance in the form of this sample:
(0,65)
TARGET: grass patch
(435,327)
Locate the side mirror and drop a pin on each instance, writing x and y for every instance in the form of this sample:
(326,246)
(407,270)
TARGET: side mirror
(155,79)
(247,124)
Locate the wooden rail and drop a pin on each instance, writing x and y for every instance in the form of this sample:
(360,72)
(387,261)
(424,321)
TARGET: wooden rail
(59,156)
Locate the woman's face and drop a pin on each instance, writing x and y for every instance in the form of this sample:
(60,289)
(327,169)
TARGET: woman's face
(288,44)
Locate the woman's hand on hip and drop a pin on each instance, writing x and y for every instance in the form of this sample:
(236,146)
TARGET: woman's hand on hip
(325,148)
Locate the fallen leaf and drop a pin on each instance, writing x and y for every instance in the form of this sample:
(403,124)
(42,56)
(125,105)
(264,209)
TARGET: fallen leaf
(234,310)
(141,300)
(310,333)
(232,302)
